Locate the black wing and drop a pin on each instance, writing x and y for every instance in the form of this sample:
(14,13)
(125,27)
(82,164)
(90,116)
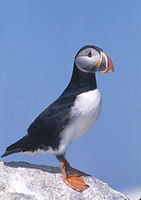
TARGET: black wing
(50,123)
(45,131)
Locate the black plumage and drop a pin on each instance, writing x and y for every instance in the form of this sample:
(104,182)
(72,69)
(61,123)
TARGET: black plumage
(45,131)
(70,116)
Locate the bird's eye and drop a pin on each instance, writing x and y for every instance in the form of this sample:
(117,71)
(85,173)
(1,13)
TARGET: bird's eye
(89,54)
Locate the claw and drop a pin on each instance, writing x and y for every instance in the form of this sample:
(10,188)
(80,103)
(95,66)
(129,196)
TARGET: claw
(75,181)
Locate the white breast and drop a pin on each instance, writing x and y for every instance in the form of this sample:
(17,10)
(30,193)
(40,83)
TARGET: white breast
(85,112)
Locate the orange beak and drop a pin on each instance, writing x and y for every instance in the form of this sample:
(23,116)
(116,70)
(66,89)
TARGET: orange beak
(106,64)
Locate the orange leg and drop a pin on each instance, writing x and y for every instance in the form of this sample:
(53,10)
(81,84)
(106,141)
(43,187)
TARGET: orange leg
(67,165)
(74,181)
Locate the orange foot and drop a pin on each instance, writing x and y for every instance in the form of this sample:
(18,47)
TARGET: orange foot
(76,182)
(67,165)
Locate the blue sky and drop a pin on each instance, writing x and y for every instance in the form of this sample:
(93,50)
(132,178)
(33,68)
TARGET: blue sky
(38,43)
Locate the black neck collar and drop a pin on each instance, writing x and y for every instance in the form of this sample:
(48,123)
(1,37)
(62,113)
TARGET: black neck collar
(81,82)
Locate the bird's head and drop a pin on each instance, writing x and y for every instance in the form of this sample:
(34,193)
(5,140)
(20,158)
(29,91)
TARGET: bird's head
(91,59)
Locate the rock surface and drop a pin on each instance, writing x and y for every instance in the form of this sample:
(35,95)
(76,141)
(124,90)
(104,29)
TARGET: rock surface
(24,181)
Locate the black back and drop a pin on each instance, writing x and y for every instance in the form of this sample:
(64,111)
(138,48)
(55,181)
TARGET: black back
(45,131)
(50,123)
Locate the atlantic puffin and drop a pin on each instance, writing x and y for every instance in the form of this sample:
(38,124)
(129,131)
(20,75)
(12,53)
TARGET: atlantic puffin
(70,116)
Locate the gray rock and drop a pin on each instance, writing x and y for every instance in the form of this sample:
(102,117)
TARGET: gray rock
(24,181)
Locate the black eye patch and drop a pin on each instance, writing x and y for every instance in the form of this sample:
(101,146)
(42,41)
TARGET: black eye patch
(89,54)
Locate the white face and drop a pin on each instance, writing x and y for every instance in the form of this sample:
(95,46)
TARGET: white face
(86,59)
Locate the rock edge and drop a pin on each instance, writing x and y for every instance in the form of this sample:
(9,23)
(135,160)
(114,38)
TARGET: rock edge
(25,181)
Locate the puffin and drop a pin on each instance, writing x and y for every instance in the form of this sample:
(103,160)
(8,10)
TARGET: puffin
(70,116)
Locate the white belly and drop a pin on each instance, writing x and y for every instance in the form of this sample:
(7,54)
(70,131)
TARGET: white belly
(86,111)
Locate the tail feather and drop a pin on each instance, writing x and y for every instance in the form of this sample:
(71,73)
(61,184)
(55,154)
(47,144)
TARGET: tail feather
(11,152)
(27,143)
